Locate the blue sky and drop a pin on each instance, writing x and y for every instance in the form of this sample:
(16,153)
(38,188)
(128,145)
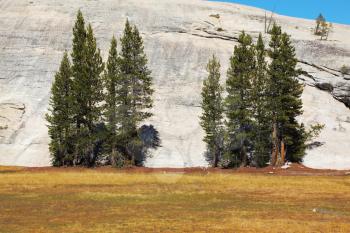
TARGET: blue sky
(337,11)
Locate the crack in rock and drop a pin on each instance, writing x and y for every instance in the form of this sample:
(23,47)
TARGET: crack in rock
(320,68)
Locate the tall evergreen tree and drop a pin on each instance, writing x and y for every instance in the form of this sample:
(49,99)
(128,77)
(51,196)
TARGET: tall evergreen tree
(112,85)
(285,99)
(93,96)
(60,117)
(262,124)
(135,94)
(239,101)
(212,117)
(87,91)
(79,72)
(127,127)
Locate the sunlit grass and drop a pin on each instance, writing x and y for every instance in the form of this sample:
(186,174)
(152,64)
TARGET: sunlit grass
(92,201)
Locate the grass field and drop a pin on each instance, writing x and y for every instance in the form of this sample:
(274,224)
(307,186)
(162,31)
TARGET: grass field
(94,201)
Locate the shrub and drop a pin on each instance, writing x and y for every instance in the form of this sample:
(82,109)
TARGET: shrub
(345,70)
(217,16)
(3,127)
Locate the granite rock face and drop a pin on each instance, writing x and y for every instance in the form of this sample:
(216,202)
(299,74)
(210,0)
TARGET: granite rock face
(179,36)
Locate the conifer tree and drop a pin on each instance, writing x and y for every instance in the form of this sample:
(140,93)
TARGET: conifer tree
(135,94)
(285,100)
(93,96)
(79,72)
(212,117)
(60,117)
(239,101)
(126,125)
(262,124)
(319,21)
(87,91)
(112,85)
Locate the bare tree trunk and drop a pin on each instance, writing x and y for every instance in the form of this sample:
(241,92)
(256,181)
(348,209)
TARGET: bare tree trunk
(282,158)
(216,159)
(77,148)
(283,153)
(275,148)
(132,156)
(113,156)
(317,28)
(265,23)
(270,22)
(92,156)
(244,156)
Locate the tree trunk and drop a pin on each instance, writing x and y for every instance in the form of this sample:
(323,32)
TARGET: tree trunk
(215,163)
(244,156)
(77,145)
(265,23)
(113,156)
(216,158)
(92,157)
(275,147)
(283,154)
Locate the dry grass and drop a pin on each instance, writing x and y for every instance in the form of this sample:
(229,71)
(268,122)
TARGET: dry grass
(92,201)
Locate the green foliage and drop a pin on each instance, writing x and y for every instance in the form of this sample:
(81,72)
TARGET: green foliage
(60,118)
(263,102)
(87,91)
(285,92)
(79,46)
(135,92)
(314,131)
(112,85)
(261,115)
(94,114)
(238,103)
(79,74)
(134,69)
(212,116)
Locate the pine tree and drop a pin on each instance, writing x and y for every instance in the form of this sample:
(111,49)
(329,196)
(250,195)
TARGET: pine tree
(79,72)
(87,91)
(135,94)
(60,117)
(112,86)
(262,124)
(285,100)
(212,117)
(239,101)
(93,96)
(319,21)
(127,127)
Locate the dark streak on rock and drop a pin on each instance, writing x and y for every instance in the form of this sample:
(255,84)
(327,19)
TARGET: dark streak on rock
(320,68)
